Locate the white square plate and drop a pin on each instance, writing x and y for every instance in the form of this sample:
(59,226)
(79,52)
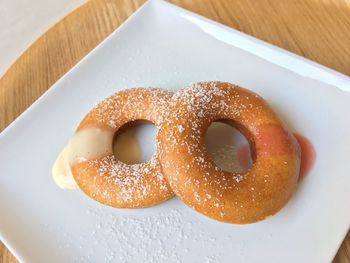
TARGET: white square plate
(166,46)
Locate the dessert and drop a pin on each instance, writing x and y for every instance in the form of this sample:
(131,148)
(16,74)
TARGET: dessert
(238,198)
(89,158)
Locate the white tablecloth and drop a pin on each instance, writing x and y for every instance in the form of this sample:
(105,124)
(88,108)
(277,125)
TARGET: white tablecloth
(23,21)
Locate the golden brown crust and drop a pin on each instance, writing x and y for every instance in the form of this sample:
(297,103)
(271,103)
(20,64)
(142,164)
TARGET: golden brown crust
(106,179)
(193,176)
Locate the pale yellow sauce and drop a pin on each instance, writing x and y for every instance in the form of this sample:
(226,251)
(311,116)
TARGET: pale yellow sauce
(85,145)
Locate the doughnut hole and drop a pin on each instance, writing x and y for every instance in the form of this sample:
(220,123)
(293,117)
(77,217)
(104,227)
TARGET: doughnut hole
(228,148)
(135,142)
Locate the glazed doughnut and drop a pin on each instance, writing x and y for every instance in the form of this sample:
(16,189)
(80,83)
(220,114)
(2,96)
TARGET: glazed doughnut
(96,170)
(238,198)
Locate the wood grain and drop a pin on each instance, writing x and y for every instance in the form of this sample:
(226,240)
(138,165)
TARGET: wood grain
(316,29)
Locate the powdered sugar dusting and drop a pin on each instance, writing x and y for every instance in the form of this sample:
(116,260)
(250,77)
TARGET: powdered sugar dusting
(132,181)
(132,104)
(167,233)
(161,237)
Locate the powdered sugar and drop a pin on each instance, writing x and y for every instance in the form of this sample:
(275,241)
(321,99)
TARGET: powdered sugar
(132,104)
(160,237)
(180,128)
(135,183)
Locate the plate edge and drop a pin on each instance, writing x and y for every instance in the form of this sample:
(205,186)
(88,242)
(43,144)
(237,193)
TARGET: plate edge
(259,47)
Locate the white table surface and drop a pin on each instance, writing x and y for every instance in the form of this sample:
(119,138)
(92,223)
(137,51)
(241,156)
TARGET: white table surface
(23,21)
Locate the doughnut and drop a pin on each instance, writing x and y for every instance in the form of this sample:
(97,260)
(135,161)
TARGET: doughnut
(92,164)
(236,198)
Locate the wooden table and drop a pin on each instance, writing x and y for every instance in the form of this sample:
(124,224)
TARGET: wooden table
(316,29)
